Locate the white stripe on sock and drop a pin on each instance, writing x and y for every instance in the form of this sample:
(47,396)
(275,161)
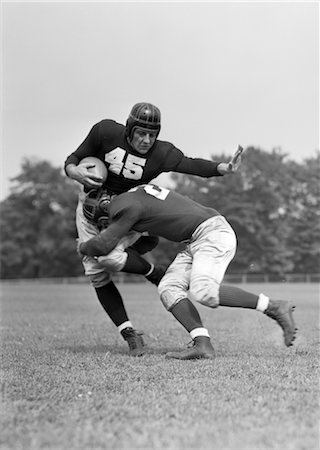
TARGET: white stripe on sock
(150,271)
(263,303)
(124,325)
(199,332)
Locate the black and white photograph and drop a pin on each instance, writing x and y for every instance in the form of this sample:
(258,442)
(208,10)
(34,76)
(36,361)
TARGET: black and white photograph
(160,225)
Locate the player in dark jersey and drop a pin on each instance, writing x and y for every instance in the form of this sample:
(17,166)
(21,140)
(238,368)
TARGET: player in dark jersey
(197,272)
(134,156)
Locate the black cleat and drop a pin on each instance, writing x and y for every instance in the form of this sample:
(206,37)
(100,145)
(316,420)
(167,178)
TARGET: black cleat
(281,311)
(201,349)
(134,340)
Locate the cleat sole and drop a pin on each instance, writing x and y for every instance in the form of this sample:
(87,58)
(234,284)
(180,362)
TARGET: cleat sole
(189,355)
(290,339)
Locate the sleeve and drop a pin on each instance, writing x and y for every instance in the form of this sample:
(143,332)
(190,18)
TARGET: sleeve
(197,166)
(102,244)
(121,223)
(89,147)
(172,158)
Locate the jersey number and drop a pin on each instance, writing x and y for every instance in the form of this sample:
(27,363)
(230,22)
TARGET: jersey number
(131,167)
(156,191)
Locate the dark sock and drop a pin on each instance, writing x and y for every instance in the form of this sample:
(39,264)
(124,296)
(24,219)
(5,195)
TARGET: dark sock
(135,263)
(111,301)
(187,314)
(236,297)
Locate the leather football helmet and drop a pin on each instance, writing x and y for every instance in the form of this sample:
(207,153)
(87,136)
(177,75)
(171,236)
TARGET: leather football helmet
(144,115)
(95,207)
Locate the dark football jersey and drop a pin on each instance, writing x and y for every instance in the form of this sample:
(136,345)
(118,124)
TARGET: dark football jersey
(128,168)
(152,209)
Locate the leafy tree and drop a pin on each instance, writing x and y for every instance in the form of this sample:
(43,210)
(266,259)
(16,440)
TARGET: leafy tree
(259,201)
(303,214)
(272,203)
(38,224)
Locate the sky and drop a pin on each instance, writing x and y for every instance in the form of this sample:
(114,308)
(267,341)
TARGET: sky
(222,74)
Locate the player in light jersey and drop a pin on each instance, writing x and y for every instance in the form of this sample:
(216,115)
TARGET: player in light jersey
(197,272)
(133,155)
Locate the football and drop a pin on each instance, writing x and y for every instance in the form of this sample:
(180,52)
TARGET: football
(99,169)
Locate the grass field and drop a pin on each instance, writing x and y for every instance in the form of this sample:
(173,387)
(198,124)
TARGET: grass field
(68,383)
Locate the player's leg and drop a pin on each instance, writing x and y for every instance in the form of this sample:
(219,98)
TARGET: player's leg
(107,293)
(212,252)
(278,310)
(124,258)
(212,249)
(129,261)
(187,314)
(173,290)
(111,301)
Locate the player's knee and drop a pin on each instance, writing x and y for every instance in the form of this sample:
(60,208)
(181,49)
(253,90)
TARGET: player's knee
(206,293)
(171,298)
(99,279)
(171,292)
(114,261)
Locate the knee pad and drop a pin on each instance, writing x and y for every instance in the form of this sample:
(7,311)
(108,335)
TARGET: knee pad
(171,293)
(99,279)
(205,292)
(170,299)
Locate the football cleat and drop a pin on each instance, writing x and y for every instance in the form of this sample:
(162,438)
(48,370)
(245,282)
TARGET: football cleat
(281,311)
(134,340)
(201,349)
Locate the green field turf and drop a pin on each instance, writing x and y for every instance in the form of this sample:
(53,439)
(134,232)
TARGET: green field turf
(68,383)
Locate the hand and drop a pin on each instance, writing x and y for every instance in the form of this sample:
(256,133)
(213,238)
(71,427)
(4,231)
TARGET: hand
(233,165)
(82,174)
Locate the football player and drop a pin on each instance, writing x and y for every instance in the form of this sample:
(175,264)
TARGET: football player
(133,155)
(197,272)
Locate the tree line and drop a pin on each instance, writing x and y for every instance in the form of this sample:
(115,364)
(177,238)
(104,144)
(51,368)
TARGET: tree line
(271,202)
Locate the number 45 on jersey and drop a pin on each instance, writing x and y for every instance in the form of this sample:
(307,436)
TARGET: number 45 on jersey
(121,162)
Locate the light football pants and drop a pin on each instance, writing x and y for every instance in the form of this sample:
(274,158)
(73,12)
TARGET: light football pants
(198,271)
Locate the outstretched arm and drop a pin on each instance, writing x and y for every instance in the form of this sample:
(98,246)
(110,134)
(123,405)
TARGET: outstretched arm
(206,168)
(233,165)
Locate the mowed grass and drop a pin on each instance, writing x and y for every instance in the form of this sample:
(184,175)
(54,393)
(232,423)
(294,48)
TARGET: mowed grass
(68,383)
